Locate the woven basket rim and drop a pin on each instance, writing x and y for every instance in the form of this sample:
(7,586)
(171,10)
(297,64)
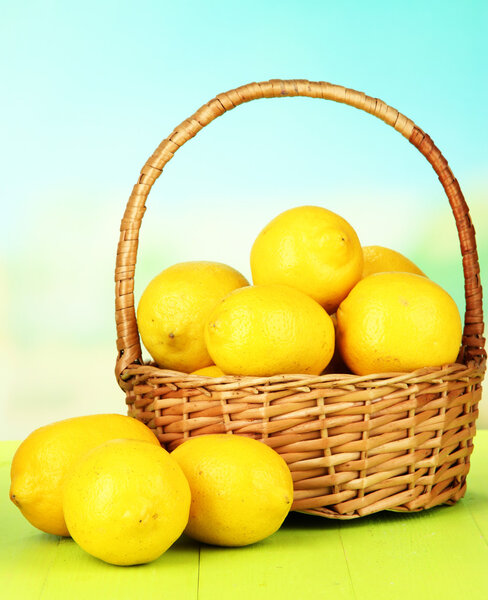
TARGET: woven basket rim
(445,372)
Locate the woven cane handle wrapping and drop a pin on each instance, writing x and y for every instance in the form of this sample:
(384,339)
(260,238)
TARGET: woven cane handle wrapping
(128,344)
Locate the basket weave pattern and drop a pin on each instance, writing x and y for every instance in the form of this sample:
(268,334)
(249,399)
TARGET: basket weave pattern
(355,444)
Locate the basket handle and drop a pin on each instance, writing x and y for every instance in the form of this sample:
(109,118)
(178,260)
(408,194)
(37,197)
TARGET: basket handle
(128,344)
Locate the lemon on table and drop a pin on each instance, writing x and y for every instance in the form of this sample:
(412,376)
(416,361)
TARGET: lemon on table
(211,371)
(45,457)
(312,249)
(397,322)
(126,502)
(264,330)
(378,259)
(241,489)
(174,307)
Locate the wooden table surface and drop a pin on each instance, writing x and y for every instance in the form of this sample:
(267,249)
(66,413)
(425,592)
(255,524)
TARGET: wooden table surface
(437,554)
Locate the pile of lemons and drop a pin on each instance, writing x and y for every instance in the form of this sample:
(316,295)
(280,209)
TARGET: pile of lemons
(319,302)
(105,481)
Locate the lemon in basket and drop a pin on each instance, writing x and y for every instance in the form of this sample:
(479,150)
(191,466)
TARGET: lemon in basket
(174,307)
(265,330)
(45,457)
(211,371)
(378,259)
(312,249)
(397,322)
(126,502)
(241,489)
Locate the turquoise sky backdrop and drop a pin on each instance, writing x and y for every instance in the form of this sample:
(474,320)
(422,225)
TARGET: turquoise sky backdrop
(90,89)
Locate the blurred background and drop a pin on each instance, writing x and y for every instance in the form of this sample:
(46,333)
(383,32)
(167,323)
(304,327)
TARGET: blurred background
(91,88)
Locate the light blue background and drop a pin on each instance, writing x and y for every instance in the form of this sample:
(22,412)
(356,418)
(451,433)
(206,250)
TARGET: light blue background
(90,89)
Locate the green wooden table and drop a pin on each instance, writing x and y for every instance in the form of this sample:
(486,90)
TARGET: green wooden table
(438,554)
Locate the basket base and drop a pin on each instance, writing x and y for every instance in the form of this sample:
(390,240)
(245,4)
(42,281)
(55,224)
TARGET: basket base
(355,445)
(455,494)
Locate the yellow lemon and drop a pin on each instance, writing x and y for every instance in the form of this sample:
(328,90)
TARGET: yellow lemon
(397,322)
(241,489)
(269,329)
(45,457)
(378,259)
(336,364)
(126,502)
(174,307)
(312,249)
(211,371)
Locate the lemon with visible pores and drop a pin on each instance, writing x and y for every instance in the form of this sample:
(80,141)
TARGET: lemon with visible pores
(312,249)
(264,330)
(378,259)
(241,489)
(126,502)
(45,457)
(174,307)
(397,322)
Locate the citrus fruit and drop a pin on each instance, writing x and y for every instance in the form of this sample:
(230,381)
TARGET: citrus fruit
(336,364)
(378,259)
(45,457)
(241,489)
(312,249)
(211,371)
(174,307)
(263,330)
(397,322)
(126,502)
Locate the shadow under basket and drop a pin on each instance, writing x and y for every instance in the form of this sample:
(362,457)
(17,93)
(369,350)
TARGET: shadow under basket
(355,445)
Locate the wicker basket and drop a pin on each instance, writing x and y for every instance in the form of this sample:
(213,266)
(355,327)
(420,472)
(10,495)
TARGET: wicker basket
(355,444)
